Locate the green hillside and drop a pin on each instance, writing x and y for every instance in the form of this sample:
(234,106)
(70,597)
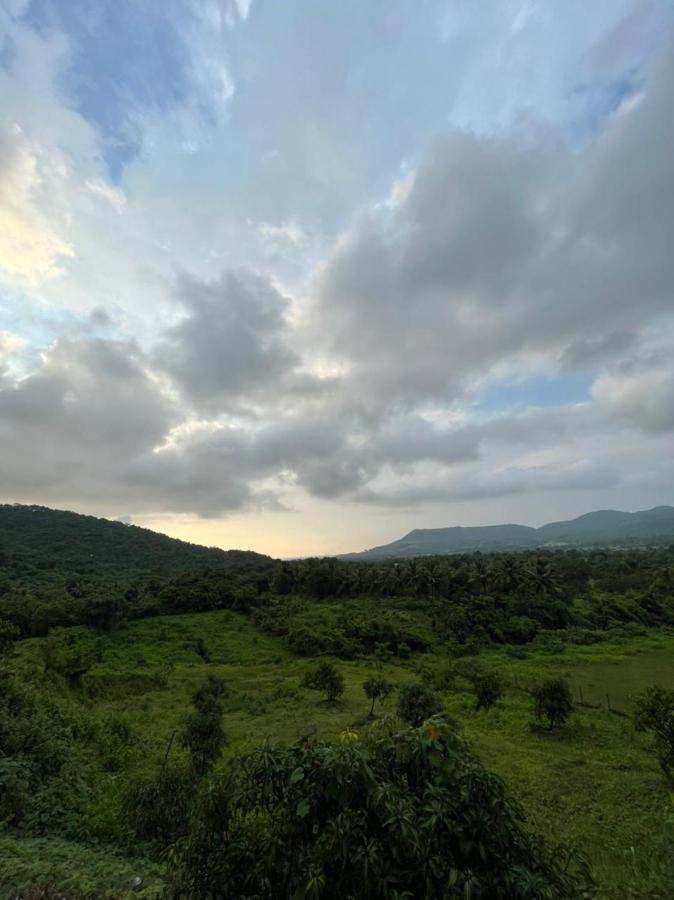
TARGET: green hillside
(42,538)
(603,527)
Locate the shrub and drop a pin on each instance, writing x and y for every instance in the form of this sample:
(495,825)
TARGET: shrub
(410,814)
(325,677)
(202,650)
(416,703)
(440,678)
(377,688)
(519,630)
(202,733)
(470,668)
(65,654)
(655,713)
(488,690)
(156,807)
(553,702)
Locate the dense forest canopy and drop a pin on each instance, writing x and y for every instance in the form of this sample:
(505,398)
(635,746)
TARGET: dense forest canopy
(49,539)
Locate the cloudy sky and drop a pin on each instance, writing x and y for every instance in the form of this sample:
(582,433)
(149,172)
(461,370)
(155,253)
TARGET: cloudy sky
(301,276)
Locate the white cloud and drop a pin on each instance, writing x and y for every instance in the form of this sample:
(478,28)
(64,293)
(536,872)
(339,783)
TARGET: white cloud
(105,191)
(286,233)
(30,248)
(642,396)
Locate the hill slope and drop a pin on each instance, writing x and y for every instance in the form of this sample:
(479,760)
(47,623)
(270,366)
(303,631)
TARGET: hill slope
(54,539)
(601,527)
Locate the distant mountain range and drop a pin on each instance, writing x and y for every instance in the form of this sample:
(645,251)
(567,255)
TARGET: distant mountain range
(54,539)
(604,527)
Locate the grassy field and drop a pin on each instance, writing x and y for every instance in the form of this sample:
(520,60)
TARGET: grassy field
(595,784)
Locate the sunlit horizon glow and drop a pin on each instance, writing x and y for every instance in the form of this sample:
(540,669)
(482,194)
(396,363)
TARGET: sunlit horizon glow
(302,277)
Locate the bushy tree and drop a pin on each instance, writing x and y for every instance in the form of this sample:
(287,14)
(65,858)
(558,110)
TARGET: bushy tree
(552,702)
(406,814)
(416,703)
(326,678)
(377,688)
(8,634)
(202,733)
(65,654)
(105,612)
(156,807)
(655,713)
(488,689)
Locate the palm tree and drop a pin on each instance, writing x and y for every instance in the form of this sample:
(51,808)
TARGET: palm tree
(509,574)
(543,577)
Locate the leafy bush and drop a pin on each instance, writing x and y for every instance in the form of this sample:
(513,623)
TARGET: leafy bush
(552,702)
(489,689)
(416,703)
(440,678)
(156,807)
(409,814)
(202,733)
(519,630)
(325,677)
(655,713)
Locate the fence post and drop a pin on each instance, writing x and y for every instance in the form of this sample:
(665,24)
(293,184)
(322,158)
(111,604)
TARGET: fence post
(580,692)
(608,702)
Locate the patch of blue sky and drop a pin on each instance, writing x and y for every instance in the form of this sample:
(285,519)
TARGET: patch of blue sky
(594,103)
(126,59)
(37,324)
(539,391)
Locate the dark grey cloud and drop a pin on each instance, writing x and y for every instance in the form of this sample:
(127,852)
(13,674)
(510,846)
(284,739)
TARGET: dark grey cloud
(232,342)
(511,481)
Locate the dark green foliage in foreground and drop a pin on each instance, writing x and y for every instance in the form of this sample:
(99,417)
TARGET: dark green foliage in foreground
(552,702)
(655,713)
(489,689)
(53,757)
(326,678)
(156,807)
(416,703)
(202,734)
(410,814)
(377,688)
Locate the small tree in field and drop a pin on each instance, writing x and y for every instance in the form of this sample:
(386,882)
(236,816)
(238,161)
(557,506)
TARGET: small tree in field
(417,703)
(488,690)
(202,734)
(553,702)
(377,688)
(655,713)
(325,677)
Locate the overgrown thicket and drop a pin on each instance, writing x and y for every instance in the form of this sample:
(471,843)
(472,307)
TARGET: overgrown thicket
(58,760)
(395,608)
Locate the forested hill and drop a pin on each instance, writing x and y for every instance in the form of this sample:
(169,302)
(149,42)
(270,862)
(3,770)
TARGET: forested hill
(604,527)
(42,538)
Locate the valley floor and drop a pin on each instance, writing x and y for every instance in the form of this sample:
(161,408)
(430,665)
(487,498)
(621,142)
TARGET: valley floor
(595,784)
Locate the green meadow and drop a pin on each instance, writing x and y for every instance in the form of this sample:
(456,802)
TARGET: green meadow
(594,784)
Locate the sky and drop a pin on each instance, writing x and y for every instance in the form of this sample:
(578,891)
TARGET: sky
(303,276)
